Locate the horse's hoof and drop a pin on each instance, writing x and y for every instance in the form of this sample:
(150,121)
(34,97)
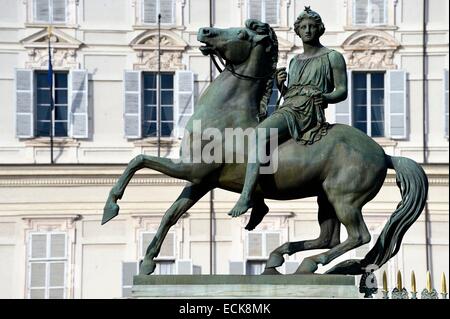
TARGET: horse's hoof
(271,271)
(275,260)
(307,267)
(147,267)
(110,211)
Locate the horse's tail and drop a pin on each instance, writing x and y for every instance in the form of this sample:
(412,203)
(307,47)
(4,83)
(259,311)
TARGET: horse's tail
(413,184)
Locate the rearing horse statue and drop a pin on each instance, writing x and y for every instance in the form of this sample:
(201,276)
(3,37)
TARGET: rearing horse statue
(345,169)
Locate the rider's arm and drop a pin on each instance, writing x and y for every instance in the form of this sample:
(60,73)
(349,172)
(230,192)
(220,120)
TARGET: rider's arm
(339,78)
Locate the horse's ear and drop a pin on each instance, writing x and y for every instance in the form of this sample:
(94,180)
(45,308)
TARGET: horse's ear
(260,37)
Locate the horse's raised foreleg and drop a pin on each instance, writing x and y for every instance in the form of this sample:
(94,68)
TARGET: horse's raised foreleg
(187,171)
(189,196)
(358,235)
(329,237)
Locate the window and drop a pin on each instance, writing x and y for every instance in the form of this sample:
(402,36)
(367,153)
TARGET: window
(50,11)
(369,12)
(259,247)
(151,9)
(264,10)
(33,111)
(445,90)
(140,101)
(44,115)
(368,103)
(150,114)
(47,266)
(165,262)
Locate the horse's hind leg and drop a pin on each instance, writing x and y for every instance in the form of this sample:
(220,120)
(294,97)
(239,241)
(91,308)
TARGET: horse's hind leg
(189,196)
(329,236)
(349,214)
(187,171)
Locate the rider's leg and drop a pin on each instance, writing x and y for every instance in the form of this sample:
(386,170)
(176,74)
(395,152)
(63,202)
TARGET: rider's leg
(274,121)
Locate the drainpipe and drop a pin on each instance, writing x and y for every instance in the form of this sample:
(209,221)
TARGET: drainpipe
(425,127)
(212,265)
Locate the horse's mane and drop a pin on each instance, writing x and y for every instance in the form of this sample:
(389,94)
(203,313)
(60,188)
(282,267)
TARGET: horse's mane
(264,28)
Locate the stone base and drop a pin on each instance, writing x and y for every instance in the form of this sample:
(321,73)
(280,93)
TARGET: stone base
(245,286)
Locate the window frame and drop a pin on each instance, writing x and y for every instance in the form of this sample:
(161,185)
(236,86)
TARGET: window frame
(50,10)
(263,256)
(369,104)
(47,261)
(369,20)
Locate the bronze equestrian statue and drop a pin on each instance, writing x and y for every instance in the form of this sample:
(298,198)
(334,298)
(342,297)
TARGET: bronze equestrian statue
(340,165)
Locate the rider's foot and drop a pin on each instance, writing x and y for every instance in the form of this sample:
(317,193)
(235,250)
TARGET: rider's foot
(258,212)
(241,207)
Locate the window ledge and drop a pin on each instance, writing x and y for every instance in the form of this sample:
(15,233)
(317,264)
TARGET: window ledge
(153,26)
(385,141)
(153,142)
(57,142)
(370,27)
(45,25)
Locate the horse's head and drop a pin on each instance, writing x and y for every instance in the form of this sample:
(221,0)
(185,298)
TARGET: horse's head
(236,45)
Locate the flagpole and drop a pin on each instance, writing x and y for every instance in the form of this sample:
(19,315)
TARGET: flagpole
(50,80)
(158,83)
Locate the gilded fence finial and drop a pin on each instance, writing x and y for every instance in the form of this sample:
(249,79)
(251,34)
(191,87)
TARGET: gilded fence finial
(443,287)
(385,287)
(399,292)
(413,286)
(429,292)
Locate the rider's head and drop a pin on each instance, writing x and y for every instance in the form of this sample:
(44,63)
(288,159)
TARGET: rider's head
(308,14)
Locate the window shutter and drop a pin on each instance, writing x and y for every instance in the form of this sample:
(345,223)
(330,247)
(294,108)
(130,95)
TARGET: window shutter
(146,239)
(271,11)
(254,9)
(133,108)
(38,245)
(378,11)
(57,245)
(184,99)
(254,245)
(78,103)
(168,246)
(396,93)
(24,103)
(343,109)
(445,82)
(149,12)
(237,268)
(360,11)
(56,280)
(59,10)
(37,275)
(41,10)
(166,10)
(184,267)
(272,242)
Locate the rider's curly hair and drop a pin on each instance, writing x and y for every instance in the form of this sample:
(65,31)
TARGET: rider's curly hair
(310,14)
(264,28)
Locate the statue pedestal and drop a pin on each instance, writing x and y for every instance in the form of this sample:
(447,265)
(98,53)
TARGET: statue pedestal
(245,286)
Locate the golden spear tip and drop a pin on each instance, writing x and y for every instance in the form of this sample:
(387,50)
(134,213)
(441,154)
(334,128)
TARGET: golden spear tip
(399,281)
(413,282)
(443,284)
(429,286)
(384,281)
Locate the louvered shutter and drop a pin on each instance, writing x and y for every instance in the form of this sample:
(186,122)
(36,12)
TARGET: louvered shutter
(271,11)
(343,113)
(378,11)
(146,239)
(149,11)
(254,9)
(37,275)
(255,245)
(57,246)
(24,103)
(360,11)
(445,89)
(59,10)
(38,246)
(78,103)
(133,104)
(396,98)
(168,246)
(42,10)
(184,99)
(166,10)
(272,242)
(236,268)
(184,267)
